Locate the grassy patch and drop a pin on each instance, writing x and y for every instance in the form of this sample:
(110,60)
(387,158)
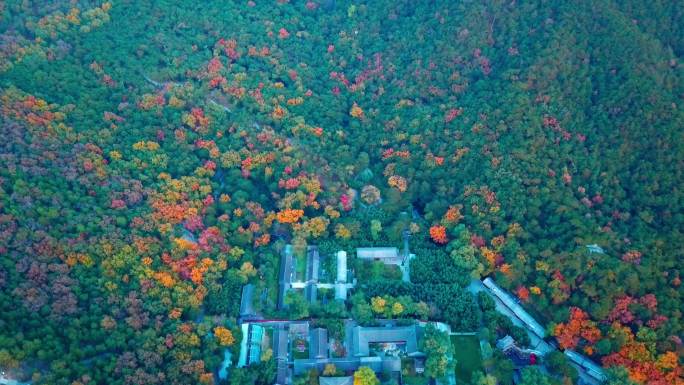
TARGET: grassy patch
(328,268)
(467,356)
(375,271)
(300,267)
(270,284)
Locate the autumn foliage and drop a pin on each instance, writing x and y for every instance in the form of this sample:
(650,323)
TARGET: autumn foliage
(356,111)
(643,364)
(523,293)
(438,234)
(148,175)
(224,336)
(578,328)
(289,215)
(453,215)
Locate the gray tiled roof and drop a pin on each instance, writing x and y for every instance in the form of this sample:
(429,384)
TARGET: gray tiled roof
(515,307)
(286,265)
(391,364)
(341,291)
(247,300)
(285,275)
(377,252)
(311,292)
(280,342)
(348,380)
(299,328)
(302,366)
(362,336)
(312,263)
(388,255)
(318,345)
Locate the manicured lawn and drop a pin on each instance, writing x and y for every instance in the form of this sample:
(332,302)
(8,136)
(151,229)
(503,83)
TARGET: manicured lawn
(467,356)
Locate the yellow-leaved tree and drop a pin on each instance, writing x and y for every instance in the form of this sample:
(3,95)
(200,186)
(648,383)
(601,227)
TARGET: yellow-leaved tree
(224,336)
(365,376)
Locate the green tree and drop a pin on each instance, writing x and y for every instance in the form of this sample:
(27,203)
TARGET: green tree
(533,376)
(618,375)
(480,378)
(375,229)
(438,351)
(558,363)
(297,306)
(502,368)
(361,310)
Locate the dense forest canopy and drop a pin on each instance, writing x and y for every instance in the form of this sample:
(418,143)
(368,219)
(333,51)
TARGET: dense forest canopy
(157,155)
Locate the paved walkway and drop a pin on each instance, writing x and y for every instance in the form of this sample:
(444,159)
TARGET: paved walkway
(406,268)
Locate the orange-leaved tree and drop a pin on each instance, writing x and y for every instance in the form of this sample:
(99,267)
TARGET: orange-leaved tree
(438,234)
(578,327)
(289,215)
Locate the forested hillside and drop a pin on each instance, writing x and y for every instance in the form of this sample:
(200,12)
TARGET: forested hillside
(157,155)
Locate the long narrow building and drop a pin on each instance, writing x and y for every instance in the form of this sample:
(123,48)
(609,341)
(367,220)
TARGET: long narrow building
(515,307)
